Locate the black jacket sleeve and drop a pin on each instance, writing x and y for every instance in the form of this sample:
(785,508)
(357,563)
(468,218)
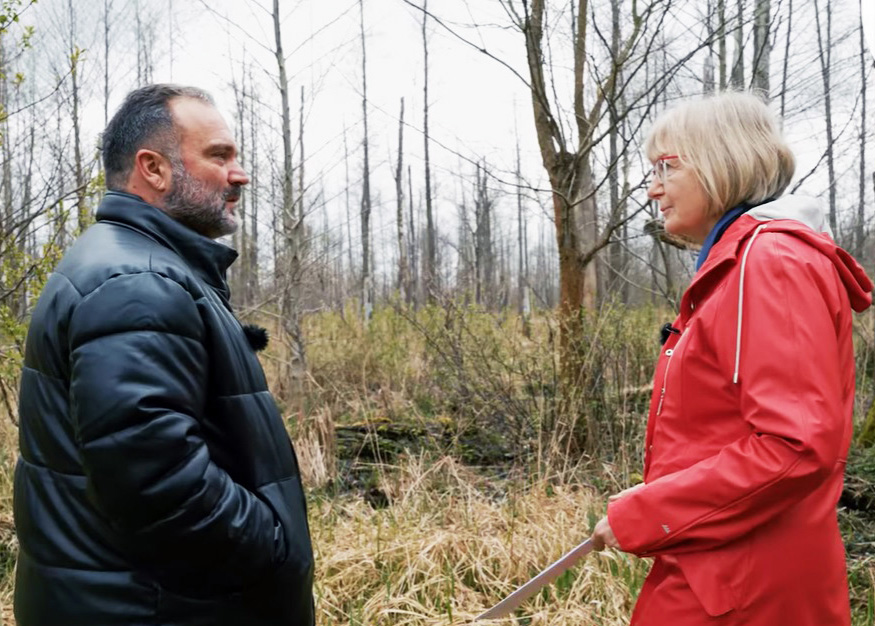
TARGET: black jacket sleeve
(139,375)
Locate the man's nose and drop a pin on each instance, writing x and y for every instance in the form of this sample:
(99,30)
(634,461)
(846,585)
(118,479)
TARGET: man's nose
(237,175)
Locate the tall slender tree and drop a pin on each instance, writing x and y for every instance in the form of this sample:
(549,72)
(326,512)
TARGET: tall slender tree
(367,289)
(292,255)
(786,66)
(429,261)
(737,77)
(415,280)
(484,254)
(403,272)
(524,306)
(762,47)
(861,204)
(253,288)
(721,41)
(824,46)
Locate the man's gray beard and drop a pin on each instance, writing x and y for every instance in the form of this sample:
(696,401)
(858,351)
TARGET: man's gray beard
(190,203)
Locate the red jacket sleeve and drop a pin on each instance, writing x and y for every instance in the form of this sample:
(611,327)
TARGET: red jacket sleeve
(791,388)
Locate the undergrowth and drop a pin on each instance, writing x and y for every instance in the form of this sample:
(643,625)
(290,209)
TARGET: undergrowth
(441,476)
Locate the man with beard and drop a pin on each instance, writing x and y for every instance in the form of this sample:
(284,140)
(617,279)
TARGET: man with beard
(156,483)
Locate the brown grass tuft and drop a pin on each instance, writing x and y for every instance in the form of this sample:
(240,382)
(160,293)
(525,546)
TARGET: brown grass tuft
(451,545)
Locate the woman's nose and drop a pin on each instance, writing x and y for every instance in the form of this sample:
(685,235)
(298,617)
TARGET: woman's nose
(654,190)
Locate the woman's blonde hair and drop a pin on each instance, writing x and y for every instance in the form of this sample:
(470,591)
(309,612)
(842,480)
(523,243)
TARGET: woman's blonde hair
(733,144)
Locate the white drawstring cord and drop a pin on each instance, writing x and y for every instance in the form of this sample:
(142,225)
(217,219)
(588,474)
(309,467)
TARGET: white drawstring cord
(741,302)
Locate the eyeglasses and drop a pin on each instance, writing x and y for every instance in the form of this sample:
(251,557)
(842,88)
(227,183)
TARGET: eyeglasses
(661,169)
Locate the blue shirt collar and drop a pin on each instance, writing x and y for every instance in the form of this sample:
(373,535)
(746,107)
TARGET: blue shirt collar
(719,228)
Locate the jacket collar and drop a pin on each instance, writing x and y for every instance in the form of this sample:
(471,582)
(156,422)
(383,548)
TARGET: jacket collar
(716,233)
(723,255)
(207,258)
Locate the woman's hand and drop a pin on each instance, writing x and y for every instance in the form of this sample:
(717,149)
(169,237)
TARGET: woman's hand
(603,536)
(626,492)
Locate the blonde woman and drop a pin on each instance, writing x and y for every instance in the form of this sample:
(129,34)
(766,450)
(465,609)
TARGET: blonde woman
(750,419)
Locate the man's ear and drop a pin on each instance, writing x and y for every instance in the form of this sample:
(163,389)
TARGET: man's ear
(154,170)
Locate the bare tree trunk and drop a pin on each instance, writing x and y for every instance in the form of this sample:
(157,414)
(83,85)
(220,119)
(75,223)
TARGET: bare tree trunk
(411,240)
(721,41)
(524,306)
(26,209)
(60,217)
(708,75)
(145,31)
(7,227)
(367,280)
(615,261)
(253,287)
(107,6)
(73,52)
(484,256)
(570,172)
(170,34)
(348,206)
(403,278)
(240,270)
(625,257)
(825,49)
(574,207)
(738,65)
(466,275)
(568,159)
(762,48)
(861,206)
(786,58)
(293,229)
(300,200)
(430,253)
(140,72)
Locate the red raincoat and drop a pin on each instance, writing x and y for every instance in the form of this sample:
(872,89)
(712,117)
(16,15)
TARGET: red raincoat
(748,432)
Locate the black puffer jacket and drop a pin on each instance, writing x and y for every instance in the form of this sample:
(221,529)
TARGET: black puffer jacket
(156,483)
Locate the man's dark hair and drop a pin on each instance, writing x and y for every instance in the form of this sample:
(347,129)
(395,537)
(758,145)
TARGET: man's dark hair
(143,120)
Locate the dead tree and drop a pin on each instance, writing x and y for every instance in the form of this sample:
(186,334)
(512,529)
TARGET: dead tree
(107,7)
(524,305)
(252,264)
(737,78)
(367,288)
(859,229)
(83,212)
(824,46)
(762,48)
(415,279)
(403,272)
(293,239)
(484,255)
(240,270)
(429,261)
(721,41)
(784,72)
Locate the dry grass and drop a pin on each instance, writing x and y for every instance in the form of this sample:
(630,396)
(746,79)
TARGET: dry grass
(8,540)
(452,542)
(451,545)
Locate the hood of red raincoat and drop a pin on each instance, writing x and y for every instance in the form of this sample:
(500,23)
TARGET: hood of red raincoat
(804,218)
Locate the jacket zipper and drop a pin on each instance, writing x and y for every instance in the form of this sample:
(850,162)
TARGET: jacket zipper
(668,353)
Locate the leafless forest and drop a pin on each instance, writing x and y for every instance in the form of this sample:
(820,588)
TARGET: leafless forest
(463,292)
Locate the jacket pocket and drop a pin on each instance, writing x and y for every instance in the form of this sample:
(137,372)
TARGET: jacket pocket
(287,593)
(712,577)
(176,608)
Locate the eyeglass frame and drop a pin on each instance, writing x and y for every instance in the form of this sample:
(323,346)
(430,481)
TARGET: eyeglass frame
(659,171)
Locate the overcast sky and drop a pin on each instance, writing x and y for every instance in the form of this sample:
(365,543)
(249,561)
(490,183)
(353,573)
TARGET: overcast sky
(478,107)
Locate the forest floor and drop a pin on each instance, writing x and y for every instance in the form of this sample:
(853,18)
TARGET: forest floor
(429,495)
